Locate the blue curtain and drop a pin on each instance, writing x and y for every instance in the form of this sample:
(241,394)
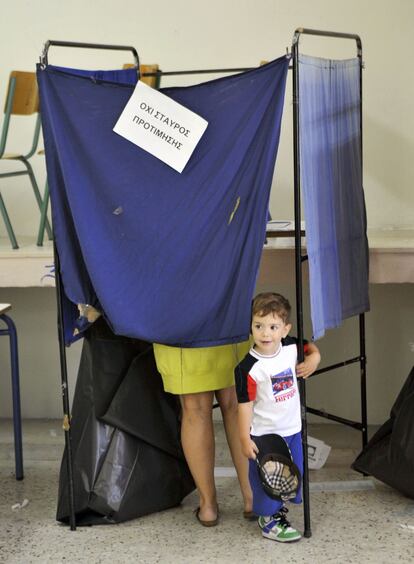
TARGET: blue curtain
(168,257)
(331,181)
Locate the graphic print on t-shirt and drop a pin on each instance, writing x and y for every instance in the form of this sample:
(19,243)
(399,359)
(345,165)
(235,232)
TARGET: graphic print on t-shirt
(282,385)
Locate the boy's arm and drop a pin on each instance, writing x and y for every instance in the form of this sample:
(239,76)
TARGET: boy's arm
(310,363)
(249,448)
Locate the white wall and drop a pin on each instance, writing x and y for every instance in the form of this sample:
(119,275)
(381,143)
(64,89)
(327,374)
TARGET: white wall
(224,33)
(187,34)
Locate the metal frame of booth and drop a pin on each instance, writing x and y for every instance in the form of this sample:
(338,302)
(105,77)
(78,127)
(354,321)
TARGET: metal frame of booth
(299,260)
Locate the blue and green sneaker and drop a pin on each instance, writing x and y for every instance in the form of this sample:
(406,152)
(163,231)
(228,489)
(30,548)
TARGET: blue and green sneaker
(278,527)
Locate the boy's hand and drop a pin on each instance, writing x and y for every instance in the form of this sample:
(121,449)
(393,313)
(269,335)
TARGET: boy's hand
(249,448)
(308,366)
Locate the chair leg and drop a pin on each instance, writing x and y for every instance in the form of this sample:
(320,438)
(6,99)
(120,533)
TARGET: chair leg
(36,192)
(8,224)
(17,420)
(43,216)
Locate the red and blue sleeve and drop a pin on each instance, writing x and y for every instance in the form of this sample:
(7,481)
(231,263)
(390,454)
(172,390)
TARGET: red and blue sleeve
(245,383)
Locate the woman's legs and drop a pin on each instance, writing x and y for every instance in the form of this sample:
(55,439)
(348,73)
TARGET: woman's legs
(197,438)
(227,400)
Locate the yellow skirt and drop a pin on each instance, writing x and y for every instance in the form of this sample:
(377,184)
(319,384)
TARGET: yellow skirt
(188,371)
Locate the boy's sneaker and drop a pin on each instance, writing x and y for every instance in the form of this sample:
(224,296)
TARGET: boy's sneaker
(278,527)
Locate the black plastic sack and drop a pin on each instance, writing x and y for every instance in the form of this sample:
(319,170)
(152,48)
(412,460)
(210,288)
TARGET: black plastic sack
(389,455)
(127,456)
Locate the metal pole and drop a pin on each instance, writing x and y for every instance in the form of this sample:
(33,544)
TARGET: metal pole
(65,392)
(307,31)
(197,71)
(362,353)
(17,418)
(15,380)
(363,372)
(44,56)
(298,273)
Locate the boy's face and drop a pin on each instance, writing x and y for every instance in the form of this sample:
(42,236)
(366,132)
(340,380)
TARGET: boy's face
(268,331)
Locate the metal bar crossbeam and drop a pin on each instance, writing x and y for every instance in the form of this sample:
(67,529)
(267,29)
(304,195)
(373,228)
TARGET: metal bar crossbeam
(322,413)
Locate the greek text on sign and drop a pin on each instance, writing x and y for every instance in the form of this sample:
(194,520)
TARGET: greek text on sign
(161,126)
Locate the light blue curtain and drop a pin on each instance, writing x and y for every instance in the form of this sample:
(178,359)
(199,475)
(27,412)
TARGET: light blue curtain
(331,180)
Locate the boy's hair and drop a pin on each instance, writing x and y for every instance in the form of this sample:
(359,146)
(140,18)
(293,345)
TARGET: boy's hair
(270,302)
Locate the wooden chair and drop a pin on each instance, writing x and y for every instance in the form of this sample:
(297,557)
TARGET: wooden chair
(22,99)
(153,81)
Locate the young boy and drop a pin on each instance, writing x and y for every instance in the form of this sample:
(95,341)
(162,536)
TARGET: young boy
(269,402)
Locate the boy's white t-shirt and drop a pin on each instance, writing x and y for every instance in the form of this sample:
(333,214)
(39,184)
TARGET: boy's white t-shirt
(270,382)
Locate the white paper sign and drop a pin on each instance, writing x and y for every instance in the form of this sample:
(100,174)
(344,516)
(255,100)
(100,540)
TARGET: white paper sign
(318,453)
(161,126)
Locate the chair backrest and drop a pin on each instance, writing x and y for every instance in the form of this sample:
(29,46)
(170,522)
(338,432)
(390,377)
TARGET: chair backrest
(22,99)
(24,92)
(153,81)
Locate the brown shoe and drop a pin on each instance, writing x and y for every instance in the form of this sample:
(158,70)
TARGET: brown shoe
(249,515)
(209,523)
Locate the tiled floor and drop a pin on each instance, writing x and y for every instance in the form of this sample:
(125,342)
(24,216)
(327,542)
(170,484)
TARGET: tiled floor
(354,519)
